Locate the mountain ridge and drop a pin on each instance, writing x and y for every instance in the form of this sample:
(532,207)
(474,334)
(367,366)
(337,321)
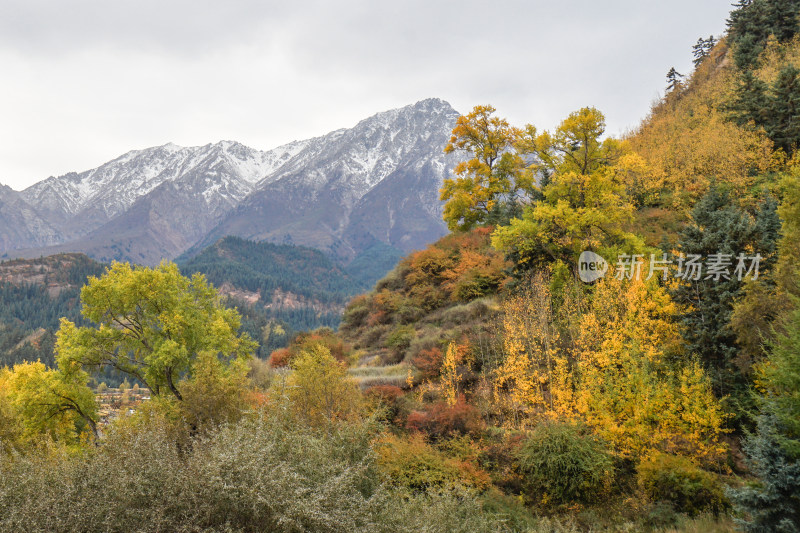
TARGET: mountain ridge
(156,203)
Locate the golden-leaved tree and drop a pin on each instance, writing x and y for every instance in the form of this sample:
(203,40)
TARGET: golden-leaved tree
(319,390)
(585,203)
(535,378)
(634,386)
(611,358)
(494,174)
(40,403)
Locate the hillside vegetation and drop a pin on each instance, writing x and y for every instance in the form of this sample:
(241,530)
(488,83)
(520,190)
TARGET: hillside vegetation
(499,379)
(281,289)
(34,295)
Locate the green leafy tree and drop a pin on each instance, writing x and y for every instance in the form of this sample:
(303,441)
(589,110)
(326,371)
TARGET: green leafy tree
(152,324)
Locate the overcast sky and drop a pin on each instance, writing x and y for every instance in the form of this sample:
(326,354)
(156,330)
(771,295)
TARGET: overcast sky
(84,81)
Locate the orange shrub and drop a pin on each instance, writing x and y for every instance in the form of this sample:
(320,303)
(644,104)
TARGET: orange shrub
(280,357)
(429,362)
(443,420)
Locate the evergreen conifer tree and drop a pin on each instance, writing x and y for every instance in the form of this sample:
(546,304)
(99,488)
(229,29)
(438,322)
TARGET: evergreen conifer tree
(783,126)
(673,79)
(720,227)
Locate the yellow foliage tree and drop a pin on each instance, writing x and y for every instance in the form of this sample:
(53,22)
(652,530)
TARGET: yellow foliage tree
(495,172)
(534,379)
(613,360)
(631,387)
(450,377)
(585,205)
(45,403)
(319,390)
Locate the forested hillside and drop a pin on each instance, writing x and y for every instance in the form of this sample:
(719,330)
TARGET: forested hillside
(281,289)
(34,295)
(681,373)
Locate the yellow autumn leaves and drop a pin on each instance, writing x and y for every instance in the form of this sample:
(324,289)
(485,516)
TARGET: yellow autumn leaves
(610,357)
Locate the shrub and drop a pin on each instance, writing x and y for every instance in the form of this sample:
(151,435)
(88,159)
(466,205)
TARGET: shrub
(389,396)
(675,479)
(374,334)
(280,357)
(265,473)
(476,284)
(415,465)
(400,338)
(443,420)
(429,362)
(561,462)
(355,312)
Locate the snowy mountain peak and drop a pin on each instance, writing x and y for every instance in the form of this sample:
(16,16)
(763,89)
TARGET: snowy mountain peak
(185,191)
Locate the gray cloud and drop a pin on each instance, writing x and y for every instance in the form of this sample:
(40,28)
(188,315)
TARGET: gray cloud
(84,81)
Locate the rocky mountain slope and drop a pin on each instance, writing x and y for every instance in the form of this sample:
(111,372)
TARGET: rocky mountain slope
(345,193)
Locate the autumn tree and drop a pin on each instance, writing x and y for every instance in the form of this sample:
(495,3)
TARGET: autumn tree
(584,206)
(634,384)
(612,359)
(535,379)
(152,324)
(450,376)
(57,404)
(490,181)
(319,390)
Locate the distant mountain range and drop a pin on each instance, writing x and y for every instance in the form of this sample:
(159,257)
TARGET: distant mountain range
(348,193)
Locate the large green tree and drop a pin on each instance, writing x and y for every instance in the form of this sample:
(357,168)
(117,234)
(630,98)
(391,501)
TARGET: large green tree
(773,452)
(721,229)
(151,324)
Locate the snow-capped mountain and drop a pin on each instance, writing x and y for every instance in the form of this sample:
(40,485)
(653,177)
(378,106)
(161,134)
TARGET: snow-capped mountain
(21,225)
(348,190)
(342,192)
(223,173)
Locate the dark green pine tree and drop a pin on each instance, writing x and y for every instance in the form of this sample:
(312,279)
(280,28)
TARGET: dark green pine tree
(783,124)
(749,28)
(773,503)
(783,15)
(673,79)
(750,101)
(702,49)
(718,226)
(773,452)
